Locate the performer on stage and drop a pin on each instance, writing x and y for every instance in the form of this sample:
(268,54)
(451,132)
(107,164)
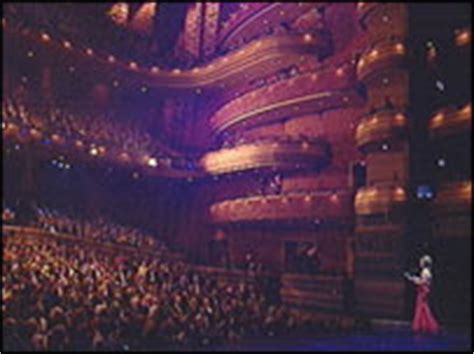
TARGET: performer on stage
(423,321)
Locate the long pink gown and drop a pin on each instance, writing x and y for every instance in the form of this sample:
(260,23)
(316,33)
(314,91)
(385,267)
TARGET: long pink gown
(424,321)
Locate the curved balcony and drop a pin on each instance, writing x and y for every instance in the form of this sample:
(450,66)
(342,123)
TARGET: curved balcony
(279,154)
(363,9)
(256,19)
(50,144)
(256,59)
(384,55)
(290,206)
(307,93)
(453,197)
(379,127)
(328,79)
(451,121)
(381,199)
(381,20)
(463,38)
(312,103)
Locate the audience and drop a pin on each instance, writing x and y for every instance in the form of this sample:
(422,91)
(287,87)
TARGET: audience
(58,296)
(98,229)
(98,131)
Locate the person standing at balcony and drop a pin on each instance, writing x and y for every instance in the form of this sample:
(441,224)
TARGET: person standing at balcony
(423,320)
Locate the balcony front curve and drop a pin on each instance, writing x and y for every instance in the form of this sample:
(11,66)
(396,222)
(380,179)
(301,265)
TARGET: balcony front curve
(450,121)
(257,19)
(381,126)
(363,9)
(453,197)
(47,145)
(380,199)
(314,206)
(330,78)
(383,55)
(257,58)
(279,153)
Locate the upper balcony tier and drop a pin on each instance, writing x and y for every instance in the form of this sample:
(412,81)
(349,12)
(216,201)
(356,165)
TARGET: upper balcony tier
(254,20)
(256,59)
(279,153)
(380,199)
(381,126)
(364,8)
(383,19)
(451,121)
(383,55)
(310,206)
(307,93)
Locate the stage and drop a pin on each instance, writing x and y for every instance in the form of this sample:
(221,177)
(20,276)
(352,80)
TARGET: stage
(400,340)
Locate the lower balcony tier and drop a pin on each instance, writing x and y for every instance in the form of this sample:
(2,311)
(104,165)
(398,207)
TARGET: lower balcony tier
(292,107)
(380,199)
(312,205)
(279,153)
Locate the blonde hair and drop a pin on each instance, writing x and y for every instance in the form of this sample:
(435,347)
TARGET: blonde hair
(426,261)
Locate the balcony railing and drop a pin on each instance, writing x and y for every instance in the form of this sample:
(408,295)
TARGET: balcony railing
(380,199)
(383,55)
(279,154)
(380,126)
(451,121)
(364,8)
(453,197)
(256,59)
(311,205)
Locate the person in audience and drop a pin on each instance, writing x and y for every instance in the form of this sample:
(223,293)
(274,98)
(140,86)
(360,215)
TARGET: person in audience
(59,295)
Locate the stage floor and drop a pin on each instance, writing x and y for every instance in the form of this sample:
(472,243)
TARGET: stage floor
(375,341)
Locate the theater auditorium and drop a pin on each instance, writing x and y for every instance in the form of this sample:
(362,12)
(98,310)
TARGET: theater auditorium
(236,176)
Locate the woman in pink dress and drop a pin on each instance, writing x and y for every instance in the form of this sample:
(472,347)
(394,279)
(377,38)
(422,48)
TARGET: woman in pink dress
(423,321)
